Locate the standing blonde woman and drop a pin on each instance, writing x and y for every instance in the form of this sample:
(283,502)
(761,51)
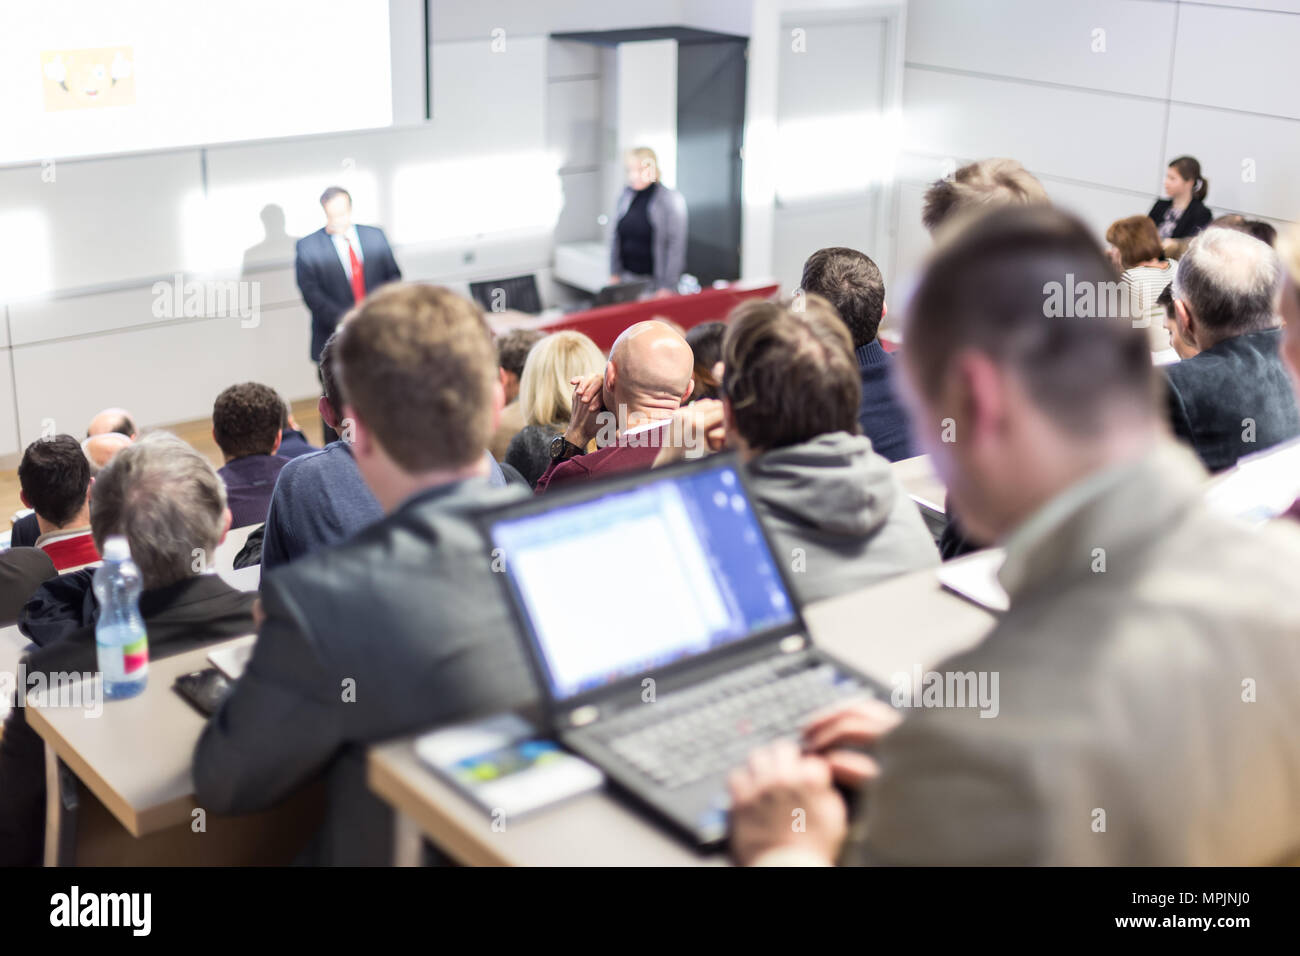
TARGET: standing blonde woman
(649,236)
(546,397)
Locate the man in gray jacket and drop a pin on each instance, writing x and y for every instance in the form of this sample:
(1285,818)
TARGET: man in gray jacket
(838,516)
(1149,664)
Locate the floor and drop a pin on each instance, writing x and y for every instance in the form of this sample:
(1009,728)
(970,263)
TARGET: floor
(197,433)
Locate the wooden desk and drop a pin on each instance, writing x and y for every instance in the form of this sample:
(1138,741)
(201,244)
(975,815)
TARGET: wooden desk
(881,630)
(135,758)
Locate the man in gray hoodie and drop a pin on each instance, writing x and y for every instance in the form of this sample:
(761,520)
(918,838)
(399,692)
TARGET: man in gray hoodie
(831,504)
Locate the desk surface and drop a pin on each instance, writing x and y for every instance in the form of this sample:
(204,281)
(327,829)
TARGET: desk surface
(881,630)
(136,756)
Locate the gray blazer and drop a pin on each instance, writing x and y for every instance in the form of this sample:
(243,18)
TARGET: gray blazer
(1158,698)
(667,214)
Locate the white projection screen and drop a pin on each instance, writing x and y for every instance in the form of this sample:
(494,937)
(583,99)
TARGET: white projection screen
(98,77)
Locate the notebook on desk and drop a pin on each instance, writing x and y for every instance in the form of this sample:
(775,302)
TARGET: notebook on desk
(681,649)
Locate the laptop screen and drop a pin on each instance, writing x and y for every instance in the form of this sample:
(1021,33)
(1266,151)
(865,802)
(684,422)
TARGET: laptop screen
(640,577)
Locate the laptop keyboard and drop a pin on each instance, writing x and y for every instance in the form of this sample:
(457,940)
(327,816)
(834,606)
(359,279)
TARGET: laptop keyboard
(711,728)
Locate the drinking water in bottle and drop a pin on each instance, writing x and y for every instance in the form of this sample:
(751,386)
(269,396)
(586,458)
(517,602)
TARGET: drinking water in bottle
(120,639)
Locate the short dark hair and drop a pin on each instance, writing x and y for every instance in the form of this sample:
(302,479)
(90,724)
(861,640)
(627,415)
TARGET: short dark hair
(54,475)
(418,366)
(1166,299)
(332,191)
(329,375)
(989,289)
(850,282)
(513,348)
(705,341)
(246,420)
(789,373)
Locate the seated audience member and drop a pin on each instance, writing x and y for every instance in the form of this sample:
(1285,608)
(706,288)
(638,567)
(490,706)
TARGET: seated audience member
(512,353)
(1123,689)
(407,612)
(100,449)
(293,443)
(1183,214)
(1144,271)
(1180,345)
(546,397)
(625,408)
(1261,230)
(166,499)
(705,341)
(113,420)
(852,283)
(319,499)
(947,206)
(975,188)
(54,481)
(246,427)
(1234,397)
(836,513)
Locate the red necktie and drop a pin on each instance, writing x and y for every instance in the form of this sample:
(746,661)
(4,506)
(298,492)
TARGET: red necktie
(358,274)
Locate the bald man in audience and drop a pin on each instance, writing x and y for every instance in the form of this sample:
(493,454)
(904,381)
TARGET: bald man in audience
(113,420)
(650,373)
(100,449)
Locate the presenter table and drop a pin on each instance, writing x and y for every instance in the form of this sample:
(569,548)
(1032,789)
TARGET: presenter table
(135,758)
(881,630)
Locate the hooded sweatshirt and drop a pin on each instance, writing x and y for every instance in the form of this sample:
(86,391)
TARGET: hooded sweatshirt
(837,516)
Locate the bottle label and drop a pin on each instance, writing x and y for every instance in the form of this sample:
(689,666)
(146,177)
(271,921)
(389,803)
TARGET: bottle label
(135,656)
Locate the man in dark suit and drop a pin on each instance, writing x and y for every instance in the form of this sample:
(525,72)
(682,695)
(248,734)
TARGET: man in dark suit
(403,626)
(167,500)
(1234,398)
(337,266)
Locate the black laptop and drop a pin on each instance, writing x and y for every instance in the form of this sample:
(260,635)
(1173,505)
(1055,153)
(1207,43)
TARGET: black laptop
(665,637)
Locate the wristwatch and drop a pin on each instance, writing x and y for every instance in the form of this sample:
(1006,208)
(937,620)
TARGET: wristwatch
(562,449)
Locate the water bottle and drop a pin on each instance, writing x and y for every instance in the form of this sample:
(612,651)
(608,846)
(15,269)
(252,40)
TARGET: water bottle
(120,638)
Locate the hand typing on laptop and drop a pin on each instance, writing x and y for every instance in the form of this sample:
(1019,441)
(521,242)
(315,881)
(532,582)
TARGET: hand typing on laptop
(779,780)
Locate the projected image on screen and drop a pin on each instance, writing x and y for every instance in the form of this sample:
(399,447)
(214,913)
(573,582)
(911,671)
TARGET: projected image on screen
(88,78)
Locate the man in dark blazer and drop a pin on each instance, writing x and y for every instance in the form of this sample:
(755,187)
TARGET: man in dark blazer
(168,501)
(403,626)
(324,265)
(1234,398)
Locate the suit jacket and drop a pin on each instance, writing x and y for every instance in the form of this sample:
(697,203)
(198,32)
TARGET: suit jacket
(324,284)
(399,629)
(1211,395)
(1158,699)
(667,214)
(22,570)
(26,530)
(180,617)
(1194,218)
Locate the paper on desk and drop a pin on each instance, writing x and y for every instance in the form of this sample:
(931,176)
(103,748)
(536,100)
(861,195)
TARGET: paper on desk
(1261,487)
(975,577)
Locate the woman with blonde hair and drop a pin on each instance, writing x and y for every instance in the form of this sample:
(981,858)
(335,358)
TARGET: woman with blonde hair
(649,236)
(546,397)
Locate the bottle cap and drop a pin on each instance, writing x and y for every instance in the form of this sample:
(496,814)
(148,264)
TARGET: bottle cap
(116,548)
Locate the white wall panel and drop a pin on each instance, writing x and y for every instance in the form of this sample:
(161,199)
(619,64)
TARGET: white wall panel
(1238,59)
(1060,132)
(1051,42)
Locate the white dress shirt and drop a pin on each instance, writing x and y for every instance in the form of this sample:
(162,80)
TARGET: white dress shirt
(341,247)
